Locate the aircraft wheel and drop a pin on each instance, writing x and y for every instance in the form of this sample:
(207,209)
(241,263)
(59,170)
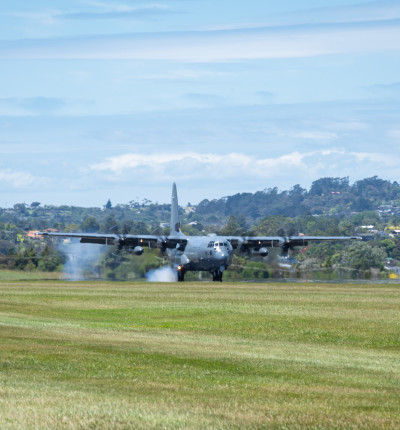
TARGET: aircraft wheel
(217,276)
(181,275)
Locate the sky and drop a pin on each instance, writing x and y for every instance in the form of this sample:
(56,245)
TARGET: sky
(119,99)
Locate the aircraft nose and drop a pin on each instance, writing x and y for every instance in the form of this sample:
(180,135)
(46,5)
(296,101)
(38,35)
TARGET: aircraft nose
(221,255)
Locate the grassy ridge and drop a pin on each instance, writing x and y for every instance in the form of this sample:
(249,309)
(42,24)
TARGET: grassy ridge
(107,355)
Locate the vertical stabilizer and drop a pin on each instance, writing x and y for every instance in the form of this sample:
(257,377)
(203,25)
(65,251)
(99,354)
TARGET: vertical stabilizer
(175,225)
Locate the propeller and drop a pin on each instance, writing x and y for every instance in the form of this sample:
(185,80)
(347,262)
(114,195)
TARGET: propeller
(163,247)
(286,231)
(121,239)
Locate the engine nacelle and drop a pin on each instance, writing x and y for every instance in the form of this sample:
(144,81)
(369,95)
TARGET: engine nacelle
(262,252)
(137,250)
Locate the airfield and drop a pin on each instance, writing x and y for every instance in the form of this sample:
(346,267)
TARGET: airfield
(102,355)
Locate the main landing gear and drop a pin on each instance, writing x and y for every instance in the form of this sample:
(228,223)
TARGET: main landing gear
(181,274)
(217,275)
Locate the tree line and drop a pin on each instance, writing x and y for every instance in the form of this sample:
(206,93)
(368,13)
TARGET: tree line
(331,207)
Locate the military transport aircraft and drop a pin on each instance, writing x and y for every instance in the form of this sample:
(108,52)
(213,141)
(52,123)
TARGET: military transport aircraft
(197,253)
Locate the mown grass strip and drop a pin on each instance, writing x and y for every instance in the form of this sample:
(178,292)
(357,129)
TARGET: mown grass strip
(106,355)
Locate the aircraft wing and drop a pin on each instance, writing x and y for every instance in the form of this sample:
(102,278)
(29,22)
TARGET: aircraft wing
(250,242)
(304,240)
(285,242)
(128,240)
(109,239)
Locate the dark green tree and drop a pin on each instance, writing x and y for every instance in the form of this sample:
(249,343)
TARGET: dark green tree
(361,256)
(50,260)
(388,245)
(234,227)
(90,225)
(110,225)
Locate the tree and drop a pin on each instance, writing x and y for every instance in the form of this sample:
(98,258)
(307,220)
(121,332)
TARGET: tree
(273,225)
(108,204)
(110,224)
(233,227)
(5,245)
(388,245)
(90,225)
(327,185)
(50,260)
(361,256)
(71,228)
(20,207)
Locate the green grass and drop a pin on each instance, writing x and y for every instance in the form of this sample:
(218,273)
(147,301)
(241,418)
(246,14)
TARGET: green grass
(17,275)
(96,355)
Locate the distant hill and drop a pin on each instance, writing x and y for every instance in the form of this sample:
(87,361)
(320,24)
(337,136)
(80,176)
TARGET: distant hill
(326,196)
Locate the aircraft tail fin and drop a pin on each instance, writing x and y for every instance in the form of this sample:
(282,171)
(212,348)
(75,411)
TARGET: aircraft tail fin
(175,225)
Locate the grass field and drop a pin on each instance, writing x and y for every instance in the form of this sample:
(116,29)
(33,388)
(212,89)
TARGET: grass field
(199,355)
(19,275)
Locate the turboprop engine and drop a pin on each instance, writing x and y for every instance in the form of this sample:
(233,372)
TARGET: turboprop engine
(137,250)
(262,252)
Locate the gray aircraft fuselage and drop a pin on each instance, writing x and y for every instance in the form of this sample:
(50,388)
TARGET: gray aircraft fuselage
(208,253)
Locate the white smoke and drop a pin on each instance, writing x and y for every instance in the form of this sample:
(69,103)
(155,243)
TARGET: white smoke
(81,259)
(164,274)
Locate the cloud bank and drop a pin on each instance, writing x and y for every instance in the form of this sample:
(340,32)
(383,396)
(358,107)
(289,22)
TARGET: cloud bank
(197,166)
(118,13)
(216,46)
(20,180)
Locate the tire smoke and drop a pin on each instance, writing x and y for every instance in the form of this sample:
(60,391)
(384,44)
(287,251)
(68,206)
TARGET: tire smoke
(164,274)
(81,260)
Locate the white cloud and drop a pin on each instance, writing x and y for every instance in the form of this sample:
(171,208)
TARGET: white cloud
(388,160)
(314,135)
(363,11)
(20,179)
(47,17)
(117,12)
(212,168)
(217,46)
(195,164)
(394,134)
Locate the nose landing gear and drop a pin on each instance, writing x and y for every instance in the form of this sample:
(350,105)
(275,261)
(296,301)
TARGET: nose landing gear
(217,275)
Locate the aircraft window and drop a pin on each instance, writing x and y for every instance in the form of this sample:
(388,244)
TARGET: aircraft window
(225,244)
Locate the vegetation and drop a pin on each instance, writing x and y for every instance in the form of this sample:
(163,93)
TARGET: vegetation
(334,196)
(101,355)
(332,206)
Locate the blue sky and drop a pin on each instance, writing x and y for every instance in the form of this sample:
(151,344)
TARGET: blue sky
(118,99)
